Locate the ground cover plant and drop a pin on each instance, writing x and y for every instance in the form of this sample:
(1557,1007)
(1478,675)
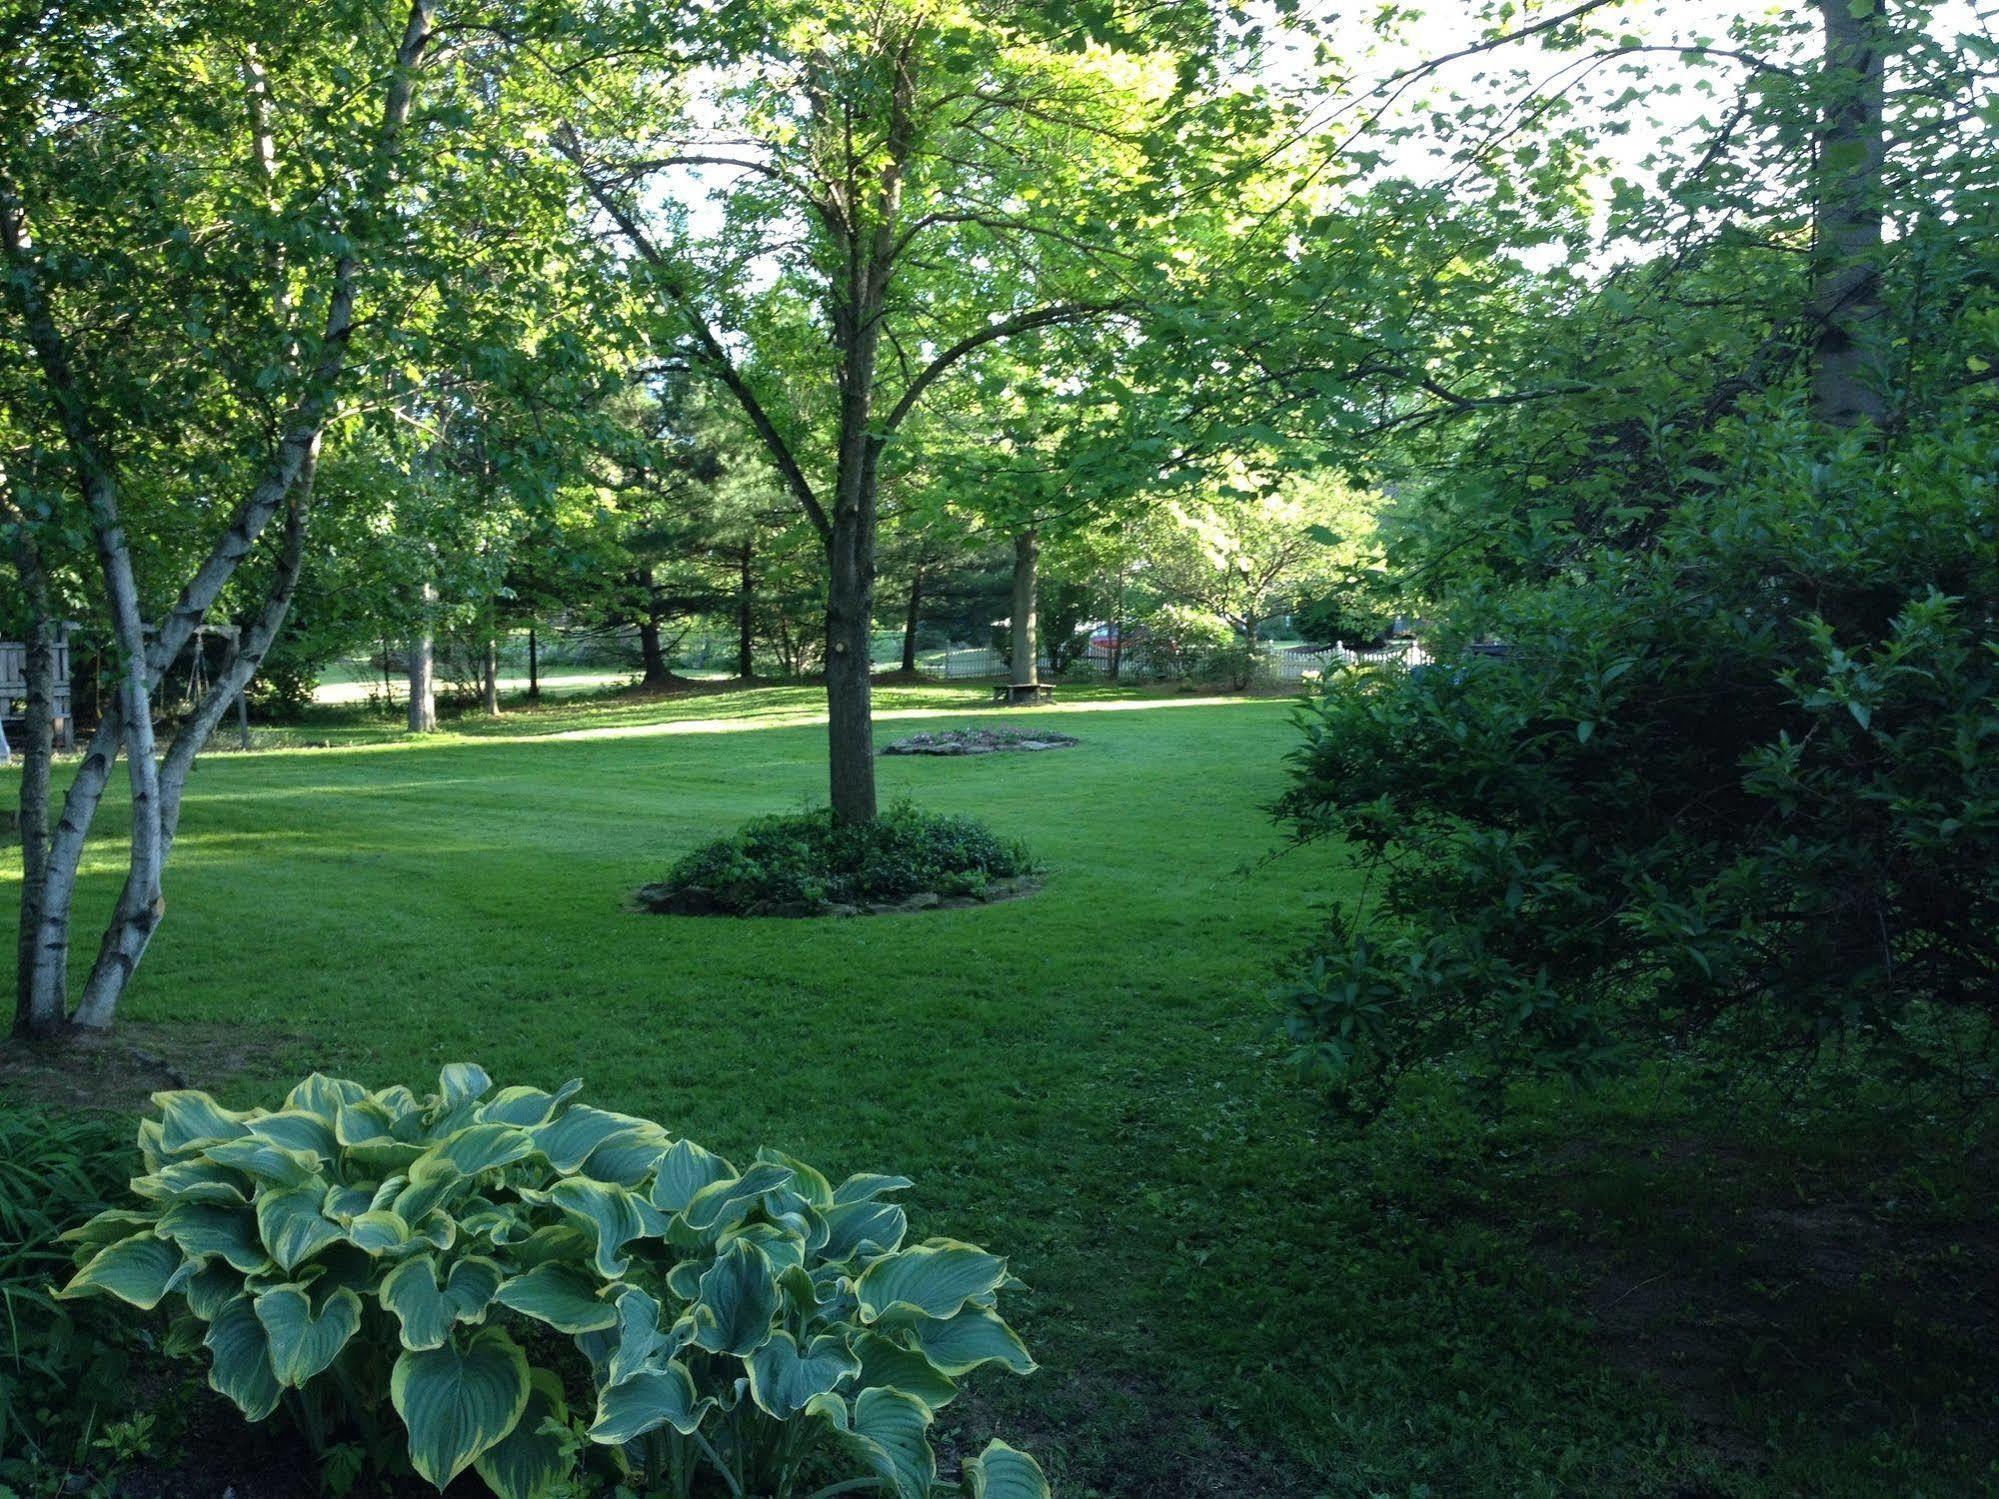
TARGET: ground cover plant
(353,1251)
(1643,1291)
(810,864)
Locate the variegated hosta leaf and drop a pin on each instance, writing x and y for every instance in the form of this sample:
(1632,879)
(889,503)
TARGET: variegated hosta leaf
(807,1181)
(140,1270)
(229,1232)
(784,1381)
(323,1095)
(427,1310)
(304,1341)
(553,1243)
(1003,1472)
(191,1120)
(724,1204)
(379,1231)
(462,1082)
(850,1226)
(560,1295)
(292,1227)
(303,1130)
(213,1286)
(782,1243)
(639,1343)
(108,1227)
(931,1280)
(686,1169)
(528,1462)
(648,1400)
(737,1302)
(625,1160)
(526,1107)
(266,1162)
(891,1433)
(479,1147)
(865,1186)
(960,1344)
(457,1402)
(568,1139)
(613,1215)
(240,1359)
(195,1180)
(885,1362)
(433,1182)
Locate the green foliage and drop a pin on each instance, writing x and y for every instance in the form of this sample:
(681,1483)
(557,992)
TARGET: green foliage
(61,1366)
(808,858)
(480,1262)
(1741,781)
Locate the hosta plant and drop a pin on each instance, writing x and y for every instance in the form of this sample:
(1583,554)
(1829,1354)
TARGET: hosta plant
(515,1283)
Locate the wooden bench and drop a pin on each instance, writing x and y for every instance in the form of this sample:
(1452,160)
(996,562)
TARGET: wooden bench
(1023,692)
(14,692)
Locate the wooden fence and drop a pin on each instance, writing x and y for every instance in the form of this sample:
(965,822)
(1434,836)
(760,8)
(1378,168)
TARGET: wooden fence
(14,692)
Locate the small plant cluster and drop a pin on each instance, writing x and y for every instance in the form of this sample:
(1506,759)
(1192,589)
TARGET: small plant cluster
(442,1281)
(806,864)
(65,1370)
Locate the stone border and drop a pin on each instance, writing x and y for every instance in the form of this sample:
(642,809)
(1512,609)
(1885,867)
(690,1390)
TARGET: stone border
(978,739)
(694,900)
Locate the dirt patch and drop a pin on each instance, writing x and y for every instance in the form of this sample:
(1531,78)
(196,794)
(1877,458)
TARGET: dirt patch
(981,741)
(122,1068)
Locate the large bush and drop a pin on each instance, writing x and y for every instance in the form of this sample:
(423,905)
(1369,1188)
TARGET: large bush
(804,862)
(1740,782)
(447,1278)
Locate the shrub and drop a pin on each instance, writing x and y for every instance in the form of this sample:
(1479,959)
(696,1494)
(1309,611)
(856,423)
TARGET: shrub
(480,1262)
(806,860)
(61,1368)
(1740,784)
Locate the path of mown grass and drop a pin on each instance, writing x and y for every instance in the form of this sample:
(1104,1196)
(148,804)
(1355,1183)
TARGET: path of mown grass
(1232,1293)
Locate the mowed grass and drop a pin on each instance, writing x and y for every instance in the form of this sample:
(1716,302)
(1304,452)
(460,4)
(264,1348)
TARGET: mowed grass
(1232,1292)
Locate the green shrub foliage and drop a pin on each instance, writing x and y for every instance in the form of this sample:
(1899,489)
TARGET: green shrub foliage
(508,1281)
(1738,783)
(807,859)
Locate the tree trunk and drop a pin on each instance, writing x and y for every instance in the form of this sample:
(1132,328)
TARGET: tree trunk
(1846,270)
(746,664)
(32,1014)
(423,668)
(650,651)
(492,677)
(850,735)
(1026,649)
(534,667)
(912,617)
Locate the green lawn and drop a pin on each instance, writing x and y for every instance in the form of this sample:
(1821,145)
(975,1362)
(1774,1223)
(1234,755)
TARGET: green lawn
(1232,1292)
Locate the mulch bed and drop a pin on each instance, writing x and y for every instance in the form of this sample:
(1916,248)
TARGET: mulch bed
(980,741)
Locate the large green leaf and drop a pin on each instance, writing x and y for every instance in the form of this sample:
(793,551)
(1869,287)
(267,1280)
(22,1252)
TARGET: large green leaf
(784,1381)
(378,1231)
(865,1186)
(108,1227)
(194,1180)
(807,1181)
(302,1341)
(960,1344)
(292,1226)
(568,1139)
(528,1462)
(625,1160)
(240,1359)
(426,1309)
(638,1342)
(739,1297)
(892,1435)
(609,1213)
(433,1181)
(301,1130)
(267,1162)
(648,1400)
(461,1082)
(479,1147)
(1003,1472)
(849,1225)
(560,1295)
(724,1203)
(457,1402)
(140,1269)
(885,1362)
(323,1095)
(686,1169)
(190,1120)
(931,1280)
(526,1107)
(218,1229)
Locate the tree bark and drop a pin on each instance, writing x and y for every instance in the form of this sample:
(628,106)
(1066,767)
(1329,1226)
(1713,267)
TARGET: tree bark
(423,668)
(850,735)
(33,1014)
(1846,270)
(1026,587)
(746,661)
(534,666)
(491,682)
(912,618)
